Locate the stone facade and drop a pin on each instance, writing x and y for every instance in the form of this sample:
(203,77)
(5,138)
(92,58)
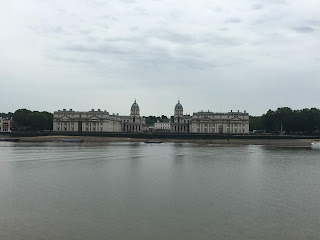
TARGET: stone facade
(226,123)
(210,122)
(5,125)
(101,121)
(98,121)
(181,123)
(162,126)
(134,122)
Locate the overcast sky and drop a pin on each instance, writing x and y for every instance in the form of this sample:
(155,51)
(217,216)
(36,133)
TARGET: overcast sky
(213,55)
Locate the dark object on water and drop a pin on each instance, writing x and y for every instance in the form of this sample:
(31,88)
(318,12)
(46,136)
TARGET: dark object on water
(9,139)
(72,140)
(152,141)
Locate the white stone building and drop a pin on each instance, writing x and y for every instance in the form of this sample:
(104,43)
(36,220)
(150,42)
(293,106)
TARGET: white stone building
(227,123)
(134,122)
(92,121)
(181,123)
(5,125)
(162,126)
(98,121)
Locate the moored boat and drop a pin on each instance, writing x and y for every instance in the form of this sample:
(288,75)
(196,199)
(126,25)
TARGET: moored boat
(9,139)
(315,145)
(72,140)
(152,141)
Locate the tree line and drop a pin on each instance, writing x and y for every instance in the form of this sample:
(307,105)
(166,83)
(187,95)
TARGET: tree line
(151,120)
(6,115)
(304,121)
(27,120)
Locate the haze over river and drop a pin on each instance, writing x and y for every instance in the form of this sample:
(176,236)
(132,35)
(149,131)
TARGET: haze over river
(125,190)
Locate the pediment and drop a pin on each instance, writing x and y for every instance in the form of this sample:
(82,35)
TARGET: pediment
(65,119)
(94,119)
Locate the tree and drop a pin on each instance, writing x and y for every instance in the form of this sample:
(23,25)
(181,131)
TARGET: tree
(34,121)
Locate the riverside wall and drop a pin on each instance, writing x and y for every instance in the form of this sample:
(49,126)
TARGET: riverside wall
(154,135)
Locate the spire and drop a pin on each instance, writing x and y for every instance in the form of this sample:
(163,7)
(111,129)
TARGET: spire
(135,100)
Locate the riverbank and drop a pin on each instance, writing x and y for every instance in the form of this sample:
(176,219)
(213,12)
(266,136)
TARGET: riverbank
(271,142)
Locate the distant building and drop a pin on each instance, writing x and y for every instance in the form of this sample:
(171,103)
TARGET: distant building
(210,122)
(98,121)
(134,122)
(5,125)
(162,126)
(181,123)
(102,121)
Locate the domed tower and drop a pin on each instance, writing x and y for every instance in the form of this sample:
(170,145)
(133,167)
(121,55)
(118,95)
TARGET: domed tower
(135,110)
(178,110)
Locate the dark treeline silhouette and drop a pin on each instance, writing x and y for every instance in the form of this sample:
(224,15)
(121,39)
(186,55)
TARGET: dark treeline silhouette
(151,120)
(305,121)
(25,119)
(6,115)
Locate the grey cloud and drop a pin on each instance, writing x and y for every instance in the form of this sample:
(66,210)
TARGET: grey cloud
(304,29)
(183,38)
(71,59)
(41,29)
(102,49)
(257,6)
(314,22)
(233,20)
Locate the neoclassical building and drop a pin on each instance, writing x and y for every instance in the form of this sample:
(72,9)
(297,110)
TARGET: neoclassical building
(180,123)
(102,121)
(98,121)
(229,123)
(5,125)
(162,126)
(134,122)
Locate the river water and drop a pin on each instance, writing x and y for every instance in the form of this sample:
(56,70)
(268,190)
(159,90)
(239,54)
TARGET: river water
(126,190)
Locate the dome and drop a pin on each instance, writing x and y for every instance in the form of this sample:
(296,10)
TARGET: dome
(135,105)
(178,106)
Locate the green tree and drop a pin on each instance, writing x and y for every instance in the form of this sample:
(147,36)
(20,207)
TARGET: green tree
(34,121)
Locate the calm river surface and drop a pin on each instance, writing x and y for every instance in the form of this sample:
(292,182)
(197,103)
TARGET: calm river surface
(158,191)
